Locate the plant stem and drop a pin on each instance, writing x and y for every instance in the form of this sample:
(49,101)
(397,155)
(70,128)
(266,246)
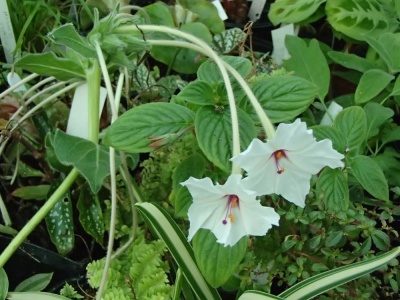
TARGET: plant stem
(93,76)
(23,81)
(113,179)
(38,217)
(206,49)
(265,121)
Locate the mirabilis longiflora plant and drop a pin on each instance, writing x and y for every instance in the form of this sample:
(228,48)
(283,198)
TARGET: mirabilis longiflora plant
(240,212)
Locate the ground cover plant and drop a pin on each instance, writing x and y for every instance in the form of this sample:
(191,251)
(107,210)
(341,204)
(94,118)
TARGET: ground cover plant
(188,165)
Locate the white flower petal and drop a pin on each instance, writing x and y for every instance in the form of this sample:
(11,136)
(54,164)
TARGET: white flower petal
(293,136)
(317,155)
(302,157)
(211,206)
(257,152)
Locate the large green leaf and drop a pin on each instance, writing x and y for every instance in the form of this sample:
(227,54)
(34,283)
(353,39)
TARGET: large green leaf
(351,61)
(214,134)
(377,115)
(133,131)
(352,122)
(370,176)
(206,13)
(372,82)
(338,139)
(326,281)
(60,223)
(198,92)
(167,230)
(284,97)
(50,65)
(92,160)
(387,46)
(289,11)
(35,283)
(3,284)
(209,254)
(359,19)
(303,61)
(332,183)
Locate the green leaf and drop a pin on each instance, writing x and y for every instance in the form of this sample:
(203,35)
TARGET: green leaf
(390,167)
(359,19)
(370,176)
(338,139)
(352,122)
(212,125)
(351,61)
(90,214)
(198,92)
(390,134)
(182,60)
(228,40)
(372,82)
(366,246)
(209,253)
(60,223)
(3,284)
(182,201)
(288,11)
(376,115)
(34,192)
(303,60)
(387,46)
(210,72)
(381,240)
(35,283)
(317,267)
(92,160)
(396,87)
(326,281)
(334,238)
(133,130)
(333,185)
(206,13)
(192,166)
(167,230)
(50,65)
(69,37)
(284,97)
(34,296)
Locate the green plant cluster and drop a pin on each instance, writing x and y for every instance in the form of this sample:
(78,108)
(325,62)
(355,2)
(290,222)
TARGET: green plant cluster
(156,176)
(139,273)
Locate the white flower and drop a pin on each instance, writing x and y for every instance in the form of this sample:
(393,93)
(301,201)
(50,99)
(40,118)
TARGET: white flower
(284,165)
(230,211)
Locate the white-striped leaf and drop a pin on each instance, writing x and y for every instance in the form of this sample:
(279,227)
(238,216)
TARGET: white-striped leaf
(166,228)
(323,282)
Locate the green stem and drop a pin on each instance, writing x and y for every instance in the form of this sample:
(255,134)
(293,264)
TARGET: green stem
(113,100)
(206,49)
(38,217)
(93,76)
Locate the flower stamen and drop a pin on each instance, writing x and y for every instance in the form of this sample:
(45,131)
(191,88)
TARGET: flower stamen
(233,201)
(278,155)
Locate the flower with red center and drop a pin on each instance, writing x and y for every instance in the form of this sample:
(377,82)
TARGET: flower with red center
(284,165)
(230,211)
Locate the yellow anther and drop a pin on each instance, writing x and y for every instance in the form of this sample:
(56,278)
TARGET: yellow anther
(231,217)
(278,154)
